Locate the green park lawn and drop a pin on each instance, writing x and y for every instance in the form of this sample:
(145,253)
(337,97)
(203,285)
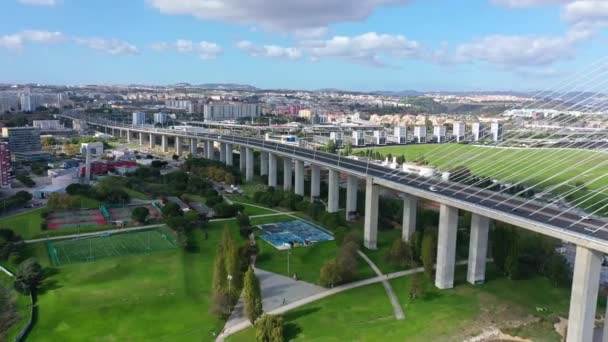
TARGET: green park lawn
(365,314)
(159,296)
(26,224)
(551,166)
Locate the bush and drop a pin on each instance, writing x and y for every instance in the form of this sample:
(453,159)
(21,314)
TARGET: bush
(400,254)
(330,274)
(269,328)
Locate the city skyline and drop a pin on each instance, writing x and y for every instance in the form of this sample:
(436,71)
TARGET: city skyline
(519,45)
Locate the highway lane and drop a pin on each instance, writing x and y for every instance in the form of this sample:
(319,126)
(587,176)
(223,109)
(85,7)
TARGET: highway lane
(568,221)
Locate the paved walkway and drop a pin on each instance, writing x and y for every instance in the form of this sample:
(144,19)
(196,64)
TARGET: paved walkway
(277,291)
(387,286)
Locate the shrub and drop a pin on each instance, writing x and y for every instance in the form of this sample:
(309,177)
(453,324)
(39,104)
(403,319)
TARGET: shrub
(269,328)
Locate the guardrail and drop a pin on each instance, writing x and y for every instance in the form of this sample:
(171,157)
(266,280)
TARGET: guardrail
(30,323)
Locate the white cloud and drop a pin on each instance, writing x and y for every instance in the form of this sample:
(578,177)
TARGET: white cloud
(205,50)
(111,46)
(275,14)
(528,3)
(269,51)
(587,12)
(49,3)
(17,41)
(519,50)
(368,48)
(312,33)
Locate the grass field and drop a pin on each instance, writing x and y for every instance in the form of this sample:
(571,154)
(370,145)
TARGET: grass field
(365,314)
(91,249)
(27,224)
(551,166)
(162,296)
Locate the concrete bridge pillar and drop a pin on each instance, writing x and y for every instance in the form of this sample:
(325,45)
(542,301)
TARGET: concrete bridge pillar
(141,139)
(478,249)
(152,141)
(409,217)
(315,181)
(164,143)
(333,198)
(446,247)
(249,164)
(263,163)
(194,147)
(223,152)
(128,136)
(242,164)
(287,174)
(272,170)
(583,298)
(299,188)
(178,146)
(352,186)
(229,155)
(209,153)
(370,235)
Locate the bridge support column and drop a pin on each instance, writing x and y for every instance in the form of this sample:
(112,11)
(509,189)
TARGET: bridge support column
(352,186)
(164,143)
(242,164)
(249,164)
(299,188)
(287,174)
(178,146)
(263,163)
(193,147)
(446,247)
(223,152)
(128,136)
(315,181)
(370,235)
(141,139)
(272,170)
(229,155)
(209,149)
(333,197)
(152,141)
(409,217)
(583,298)
(478,249)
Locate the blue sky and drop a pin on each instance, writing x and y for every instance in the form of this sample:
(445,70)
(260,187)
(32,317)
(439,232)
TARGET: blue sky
(355,45)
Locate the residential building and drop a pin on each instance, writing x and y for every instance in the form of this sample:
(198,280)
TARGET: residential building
(400,134)
(96,148)
(380,137)
(478,131)
(48,125)
(139,118)
(22,139)
(5,165)
(358,138)
(161,118)
(231,111)
(439,132)
(459,131)
(420,134)
(497,130)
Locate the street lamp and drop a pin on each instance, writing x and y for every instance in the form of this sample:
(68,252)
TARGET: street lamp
(288,254)
(229,277)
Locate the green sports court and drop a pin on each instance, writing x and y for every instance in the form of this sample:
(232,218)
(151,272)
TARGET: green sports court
(106,245)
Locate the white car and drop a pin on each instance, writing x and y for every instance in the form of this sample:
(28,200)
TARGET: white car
(433,189)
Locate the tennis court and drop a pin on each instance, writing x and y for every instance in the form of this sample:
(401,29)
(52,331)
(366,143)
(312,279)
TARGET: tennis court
(75,219)
(65,252)
(124,213)
(285,235)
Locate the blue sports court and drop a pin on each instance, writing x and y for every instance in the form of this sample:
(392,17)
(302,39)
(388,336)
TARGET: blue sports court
(284,235)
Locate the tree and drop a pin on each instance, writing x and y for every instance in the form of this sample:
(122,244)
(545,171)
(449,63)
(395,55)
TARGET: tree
(428,253)
(252,296)
(8,311)
(348,149)
(140,214)
(400,254)
(28,276)
(230,253)
(221,304)
(347,260)
(417,286)
(10,243)
(558,270)
(171,210)
(331,147)
(512,268)
(269,328)
(330,274)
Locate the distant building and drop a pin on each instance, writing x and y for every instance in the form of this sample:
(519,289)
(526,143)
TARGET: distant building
(459,131)
(231,111)
(139,118)
(478,131)
(358,138)
(31,156)
(337,138)
(305,113)
(25,100)
(96,148)
(497,130)
(161,118)
(379,137)
(400,134)
(439,132)
(420,134)
(48,125)
(22,139)
(5,165)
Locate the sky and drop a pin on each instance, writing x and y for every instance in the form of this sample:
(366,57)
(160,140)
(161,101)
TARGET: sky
(425,45)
